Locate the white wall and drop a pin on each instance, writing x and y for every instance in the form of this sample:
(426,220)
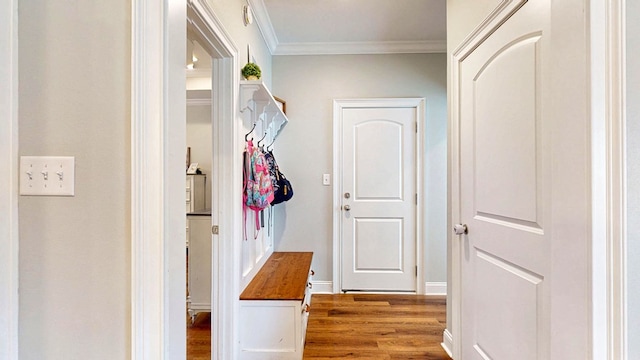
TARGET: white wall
(74,251)
(309,84)
(199,139)
(633,178)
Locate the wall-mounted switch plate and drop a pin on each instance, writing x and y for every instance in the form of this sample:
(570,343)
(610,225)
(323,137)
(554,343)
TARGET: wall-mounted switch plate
(47,175)
(326,179)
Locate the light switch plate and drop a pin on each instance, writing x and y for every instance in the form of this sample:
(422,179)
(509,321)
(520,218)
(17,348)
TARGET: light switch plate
(326,179)
(47,175)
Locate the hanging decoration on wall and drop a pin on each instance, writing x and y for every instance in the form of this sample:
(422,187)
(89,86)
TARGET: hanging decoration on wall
(247,15)
(251,71)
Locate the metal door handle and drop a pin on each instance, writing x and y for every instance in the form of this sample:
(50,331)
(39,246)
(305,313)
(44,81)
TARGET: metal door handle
(346,207)
(460,229)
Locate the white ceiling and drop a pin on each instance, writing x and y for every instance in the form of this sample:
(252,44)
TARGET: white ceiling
(352,26)
(306,27)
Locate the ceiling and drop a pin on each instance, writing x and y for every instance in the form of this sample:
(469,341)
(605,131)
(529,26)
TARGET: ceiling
(295,27)
(313,27)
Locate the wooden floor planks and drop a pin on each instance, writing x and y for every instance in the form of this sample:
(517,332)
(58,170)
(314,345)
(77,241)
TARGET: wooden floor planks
(199,337)
(360,326)
(375,327)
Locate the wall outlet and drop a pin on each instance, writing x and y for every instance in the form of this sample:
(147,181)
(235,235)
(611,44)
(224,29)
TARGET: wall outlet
(47,175)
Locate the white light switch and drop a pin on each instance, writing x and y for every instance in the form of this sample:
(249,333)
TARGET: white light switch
(326,179)
(47,175)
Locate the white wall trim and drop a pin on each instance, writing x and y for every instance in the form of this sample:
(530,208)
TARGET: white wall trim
(9,232)
(338,106)
(378,47)
(322,287)
(447,342)
(502,11)
(264,23)
(608,147)
(198,102)
(435,288)
(617,213)
(198,73)
(158,132)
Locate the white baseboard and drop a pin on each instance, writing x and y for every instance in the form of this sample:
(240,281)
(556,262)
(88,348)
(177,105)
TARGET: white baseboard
(322,287)
(431,288)
(447,342)
(435,288)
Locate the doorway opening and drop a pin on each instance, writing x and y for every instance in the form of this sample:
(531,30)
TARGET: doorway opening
(199,177)
(222,187)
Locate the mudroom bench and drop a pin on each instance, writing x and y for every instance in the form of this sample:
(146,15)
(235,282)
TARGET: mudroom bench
(274,308)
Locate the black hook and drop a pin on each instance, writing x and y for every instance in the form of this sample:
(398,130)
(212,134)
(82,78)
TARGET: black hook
(272,142)
(249,133)
(263,136)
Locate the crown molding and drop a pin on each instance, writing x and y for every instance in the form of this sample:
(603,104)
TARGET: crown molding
(199,73)
(263,21)
(344,48)
(198,97)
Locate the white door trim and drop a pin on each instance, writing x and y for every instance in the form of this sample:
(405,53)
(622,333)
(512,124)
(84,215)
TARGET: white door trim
(608,131)
(157,202)
(338,106)
(158,144)
(9,239)
(227,185)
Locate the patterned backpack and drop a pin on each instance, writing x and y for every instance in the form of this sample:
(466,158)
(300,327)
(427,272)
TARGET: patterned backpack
(258,189)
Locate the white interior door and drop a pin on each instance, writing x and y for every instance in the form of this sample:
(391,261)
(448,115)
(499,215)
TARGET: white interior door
(505,190)
(378,185)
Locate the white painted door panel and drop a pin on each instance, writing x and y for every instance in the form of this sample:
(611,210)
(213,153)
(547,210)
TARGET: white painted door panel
(504,188)
(379,174)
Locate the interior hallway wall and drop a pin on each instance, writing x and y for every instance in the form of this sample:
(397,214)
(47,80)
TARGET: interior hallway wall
(75,251)
(199,139)
(304,150)
(633,178)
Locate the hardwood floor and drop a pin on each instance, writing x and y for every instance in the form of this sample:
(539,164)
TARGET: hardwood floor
(375,327)
(199,337)
(389,327)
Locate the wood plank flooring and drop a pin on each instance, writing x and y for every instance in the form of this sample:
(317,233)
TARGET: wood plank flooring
(384,326)
(360,326)
(199,337)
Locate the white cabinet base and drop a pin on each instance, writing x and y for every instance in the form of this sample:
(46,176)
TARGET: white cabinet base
(272,329)
(274,309)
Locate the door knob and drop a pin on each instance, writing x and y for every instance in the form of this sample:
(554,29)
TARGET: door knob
(346,207)
(460,229)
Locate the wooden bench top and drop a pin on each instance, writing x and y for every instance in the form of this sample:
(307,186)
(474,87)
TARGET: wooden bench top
(283,277)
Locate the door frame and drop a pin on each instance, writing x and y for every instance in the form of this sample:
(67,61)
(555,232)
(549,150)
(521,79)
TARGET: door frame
(606,115)
(226,168)
(9,238)
(609,190)
(158,145)
(338,106)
